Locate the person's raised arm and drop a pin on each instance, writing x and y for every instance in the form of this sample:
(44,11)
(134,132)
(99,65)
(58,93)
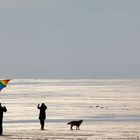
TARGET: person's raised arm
(38,106)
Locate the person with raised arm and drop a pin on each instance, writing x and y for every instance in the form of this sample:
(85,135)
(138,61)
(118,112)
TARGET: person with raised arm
(42,114)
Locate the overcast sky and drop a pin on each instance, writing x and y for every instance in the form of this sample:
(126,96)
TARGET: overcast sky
(70,39)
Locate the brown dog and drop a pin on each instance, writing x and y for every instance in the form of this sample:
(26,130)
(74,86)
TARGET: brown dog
(75,123)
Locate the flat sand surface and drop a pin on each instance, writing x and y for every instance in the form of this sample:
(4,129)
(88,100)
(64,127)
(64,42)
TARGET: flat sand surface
(110,109)
(98,131)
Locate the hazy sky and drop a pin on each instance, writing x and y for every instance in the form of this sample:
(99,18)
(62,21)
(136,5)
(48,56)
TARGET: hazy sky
(70,39)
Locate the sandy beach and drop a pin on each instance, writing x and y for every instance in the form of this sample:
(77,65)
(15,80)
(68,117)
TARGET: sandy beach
(108,108)
(98,131)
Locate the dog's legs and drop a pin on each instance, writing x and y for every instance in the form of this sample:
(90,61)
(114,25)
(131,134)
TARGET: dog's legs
(71,127)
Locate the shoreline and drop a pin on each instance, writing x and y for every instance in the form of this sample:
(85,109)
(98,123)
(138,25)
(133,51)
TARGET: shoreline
(88,119)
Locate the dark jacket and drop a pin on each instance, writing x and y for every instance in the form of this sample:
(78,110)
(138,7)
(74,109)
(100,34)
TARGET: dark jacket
(42,114)
(2,109)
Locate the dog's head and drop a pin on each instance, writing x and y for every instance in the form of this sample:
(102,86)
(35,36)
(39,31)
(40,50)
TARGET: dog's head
(80,121)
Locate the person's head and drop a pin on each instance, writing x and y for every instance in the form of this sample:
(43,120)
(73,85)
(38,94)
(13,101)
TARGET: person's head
(43,104)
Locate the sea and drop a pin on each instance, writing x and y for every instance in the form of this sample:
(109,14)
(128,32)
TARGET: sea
(92,100)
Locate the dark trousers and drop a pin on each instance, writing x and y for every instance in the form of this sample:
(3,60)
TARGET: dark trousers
(1,129)
(42,123)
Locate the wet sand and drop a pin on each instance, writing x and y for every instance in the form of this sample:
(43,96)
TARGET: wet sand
(110,109)
(98,131)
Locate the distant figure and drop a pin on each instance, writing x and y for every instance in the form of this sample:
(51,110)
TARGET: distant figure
(42,114)
(75,123)
(2,109)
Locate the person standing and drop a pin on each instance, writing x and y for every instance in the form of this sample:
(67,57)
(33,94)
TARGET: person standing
(2,109)
(42,114)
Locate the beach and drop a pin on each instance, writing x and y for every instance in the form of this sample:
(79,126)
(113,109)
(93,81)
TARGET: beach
(98,131)
(110,109)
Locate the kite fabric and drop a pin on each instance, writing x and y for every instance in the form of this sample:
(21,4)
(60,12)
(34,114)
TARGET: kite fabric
(3,84)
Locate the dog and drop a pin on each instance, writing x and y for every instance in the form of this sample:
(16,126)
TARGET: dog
(75,123)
